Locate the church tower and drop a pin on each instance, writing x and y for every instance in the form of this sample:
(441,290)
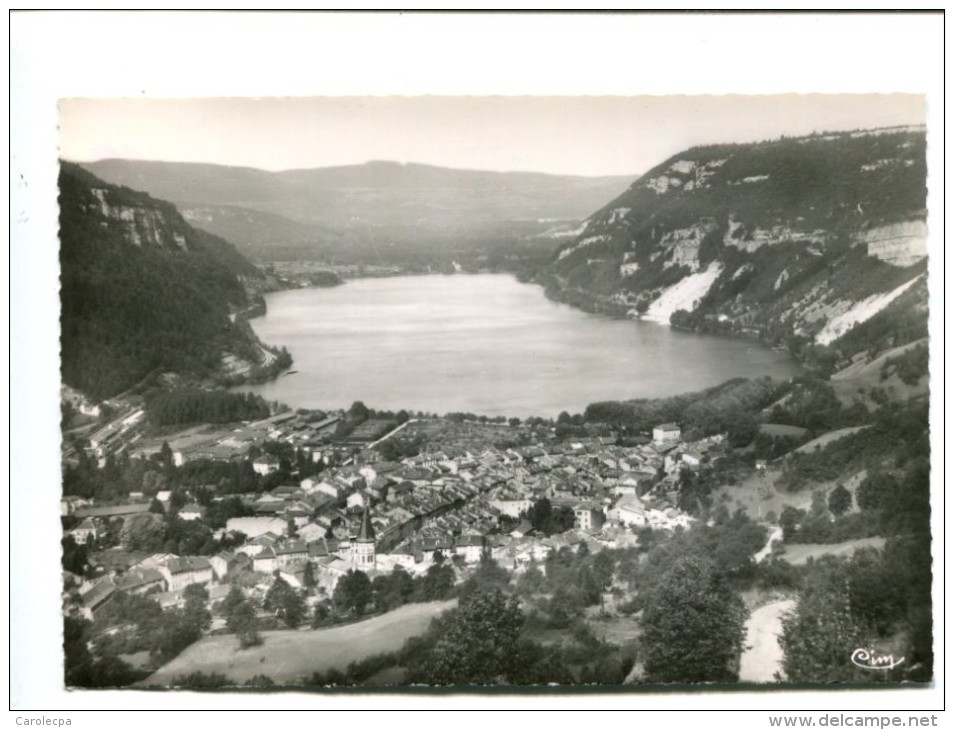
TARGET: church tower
(362,548)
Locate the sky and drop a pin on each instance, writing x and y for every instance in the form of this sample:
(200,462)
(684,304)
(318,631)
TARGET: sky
(596,135)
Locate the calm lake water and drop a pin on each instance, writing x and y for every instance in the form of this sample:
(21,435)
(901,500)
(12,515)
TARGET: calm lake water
(484,344)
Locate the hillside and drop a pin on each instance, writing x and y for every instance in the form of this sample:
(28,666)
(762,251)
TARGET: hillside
(144,292)
(374,211)
(812,243)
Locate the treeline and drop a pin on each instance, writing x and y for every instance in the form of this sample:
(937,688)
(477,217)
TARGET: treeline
(190,405)
(121,474)
(126,625)
(730,407)
(897,433)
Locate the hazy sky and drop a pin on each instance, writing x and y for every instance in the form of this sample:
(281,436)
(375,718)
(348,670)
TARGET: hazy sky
(575,135)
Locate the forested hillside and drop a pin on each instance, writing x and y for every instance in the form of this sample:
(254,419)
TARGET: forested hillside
(142,291)
(798,241)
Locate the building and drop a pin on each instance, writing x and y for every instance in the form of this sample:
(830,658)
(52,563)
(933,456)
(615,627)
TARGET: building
(362,546)
(587,516)
(290,551)
(265,465)
(192,511)
(666,432)
(142,581)
(84,531)
(184,571)
(630,511)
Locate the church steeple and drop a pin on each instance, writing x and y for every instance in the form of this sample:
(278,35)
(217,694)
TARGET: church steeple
(362,547)
(366,533)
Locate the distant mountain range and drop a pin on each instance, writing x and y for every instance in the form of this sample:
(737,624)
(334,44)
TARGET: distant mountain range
(143,292)
(816,243)
(375,208)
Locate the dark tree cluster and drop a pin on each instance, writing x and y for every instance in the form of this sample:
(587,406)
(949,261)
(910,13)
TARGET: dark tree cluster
(189,405)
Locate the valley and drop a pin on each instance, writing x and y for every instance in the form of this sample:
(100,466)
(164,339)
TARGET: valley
(394,422)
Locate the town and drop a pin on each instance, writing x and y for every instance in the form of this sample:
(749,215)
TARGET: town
(458,501)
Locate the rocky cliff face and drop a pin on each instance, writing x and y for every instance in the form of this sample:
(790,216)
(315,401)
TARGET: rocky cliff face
(142,291)
(797,241)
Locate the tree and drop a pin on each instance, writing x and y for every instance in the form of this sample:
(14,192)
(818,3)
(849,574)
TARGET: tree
(789,521)
(74,555)
(232,599)
(474,644)
(243,622)
(874,489)
(693,625)
(353,591)
(839,500)
(196,612)
(144,532)
(308,578)
(286,602)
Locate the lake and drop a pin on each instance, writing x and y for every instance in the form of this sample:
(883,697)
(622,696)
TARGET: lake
(484,344)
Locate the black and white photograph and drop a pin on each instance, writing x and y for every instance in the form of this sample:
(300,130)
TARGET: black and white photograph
(538,393)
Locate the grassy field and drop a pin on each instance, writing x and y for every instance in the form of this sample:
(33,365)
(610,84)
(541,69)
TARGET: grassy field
(862,376)
(758,495)
(827,438)
(797,554)
(286,656)
(781,429)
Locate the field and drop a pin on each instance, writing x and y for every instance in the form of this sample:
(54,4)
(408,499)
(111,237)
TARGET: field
(827,438)
(798,554)
(286,656)
(862,376)
(780,429)
(758,495)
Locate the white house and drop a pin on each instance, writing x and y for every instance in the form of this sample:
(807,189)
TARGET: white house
(265,465)
(666,432)
(84,531)
(184,571)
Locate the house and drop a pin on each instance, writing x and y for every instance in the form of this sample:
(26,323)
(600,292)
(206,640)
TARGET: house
(68,505)
(522,530)
(666,432)
(290,551)
(184,571)
(629,511)
(332,490)
(511,507)
(588,516)
(355,501)
(191,511)
(140,582)
(116,510)
(265,561)
(265,465)
(97,596)
(253,527)
(229,563)
(254,547)
(298,513)
(692,459)
(470,547)
(84,531)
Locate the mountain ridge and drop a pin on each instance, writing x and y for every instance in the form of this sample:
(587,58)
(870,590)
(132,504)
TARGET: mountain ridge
(424,210)
(796,241)
(144,292)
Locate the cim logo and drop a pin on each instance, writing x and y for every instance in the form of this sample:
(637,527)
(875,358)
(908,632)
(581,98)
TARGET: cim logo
(869,659)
